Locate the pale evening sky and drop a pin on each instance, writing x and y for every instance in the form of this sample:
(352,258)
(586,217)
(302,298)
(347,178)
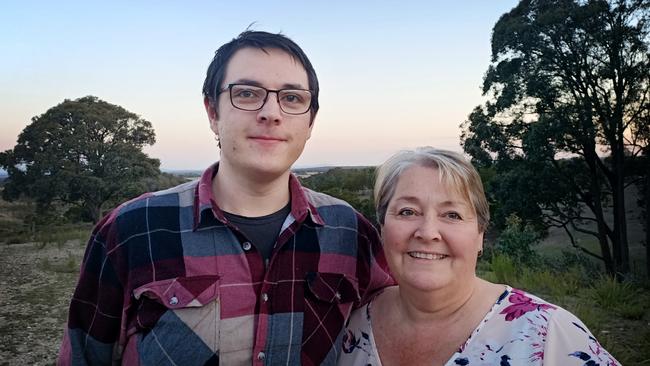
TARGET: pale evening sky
(393,75)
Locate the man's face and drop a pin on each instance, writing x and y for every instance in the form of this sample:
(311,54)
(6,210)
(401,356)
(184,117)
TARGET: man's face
(265,143)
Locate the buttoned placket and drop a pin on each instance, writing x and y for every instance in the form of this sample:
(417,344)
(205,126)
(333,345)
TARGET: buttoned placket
(266,302)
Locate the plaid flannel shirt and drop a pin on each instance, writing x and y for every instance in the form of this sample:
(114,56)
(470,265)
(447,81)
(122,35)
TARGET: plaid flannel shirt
(166,279)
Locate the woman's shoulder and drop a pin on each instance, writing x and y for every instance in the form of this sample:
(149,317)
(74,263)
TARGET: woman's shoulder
(524,326)
(516,303)
(518,308)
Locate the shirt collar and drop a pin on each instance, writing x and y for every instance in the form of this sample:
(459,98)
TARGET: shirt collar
(206,207)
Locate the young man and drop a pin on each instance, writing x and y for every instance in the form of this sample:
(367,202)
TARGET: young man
(244,266)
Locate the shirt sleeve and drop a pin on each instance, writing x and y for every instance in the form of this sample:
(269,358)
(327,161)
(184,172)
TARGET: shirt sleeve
(569,342)
(372,268)
(95,314)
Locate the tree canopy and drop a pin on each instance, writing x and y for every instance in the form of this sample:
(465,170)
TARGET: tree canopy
(354,185)
(82,153)
(569,107)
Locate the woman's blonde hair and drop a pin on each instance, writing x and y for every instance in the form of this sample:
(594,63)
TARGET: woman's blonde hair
(456,173)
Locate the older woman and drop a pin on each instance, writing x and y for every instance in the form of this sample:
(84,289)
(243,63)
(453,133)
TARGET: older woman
(433,214)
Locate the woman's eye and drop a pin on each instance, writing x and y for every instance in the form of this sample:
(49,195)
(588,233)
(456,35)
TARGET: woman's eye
(453,216)
(406,212)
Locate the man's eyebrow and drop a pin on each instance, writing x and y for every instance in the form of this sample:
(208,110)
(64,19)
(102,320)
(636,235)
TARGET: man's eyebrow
(247,82)
(257,83)
(293,86)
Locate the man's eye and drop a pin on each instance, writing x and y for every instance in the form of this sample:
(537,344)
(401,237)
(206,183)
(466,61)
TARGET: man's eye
(245,93)
(292,98)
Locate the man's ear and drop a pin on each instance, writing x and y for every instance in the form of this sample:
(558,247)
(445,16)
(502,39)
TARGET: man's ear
(211,110)
(311,127)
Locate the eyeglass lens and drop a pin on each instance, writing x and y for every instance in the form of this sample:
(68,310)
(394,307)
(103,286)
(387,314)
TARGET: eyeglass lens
(252,98)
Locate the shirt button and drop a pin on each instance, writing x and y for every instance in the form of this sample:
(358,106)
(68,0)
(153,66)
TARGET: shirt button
(337,295)
(261,356)
(173,300)
(265,297)
(247,246)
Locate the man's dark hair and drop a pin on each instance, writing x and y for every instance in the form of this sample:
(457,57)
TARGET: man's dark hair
(262,41)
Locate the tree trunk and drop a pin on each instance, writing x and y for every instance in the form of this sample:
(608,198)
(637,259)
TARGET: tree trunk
(647,217)
(610,263)
(596,193)
(619,243)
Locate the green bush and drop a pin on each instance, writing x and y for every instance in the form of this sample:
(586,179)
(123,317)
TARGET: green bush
(59,235)
(504,269)
(573,258)
(631,310)
(517,240)
(609,293)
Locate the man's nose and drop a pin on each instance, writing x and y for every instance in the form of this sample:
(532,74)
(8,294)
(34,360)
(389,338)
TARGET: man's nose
(271,111)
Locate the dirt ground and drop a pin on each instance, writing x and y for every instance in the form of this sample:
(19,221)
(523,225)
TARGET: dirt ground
(36,283)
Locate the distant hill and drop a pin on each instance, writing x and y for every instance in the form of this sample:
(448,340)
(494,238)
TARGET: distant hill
(301,172)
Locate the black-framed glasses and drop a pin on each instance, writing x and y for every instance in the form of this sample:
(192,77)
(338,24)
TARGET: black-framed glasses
(252,98)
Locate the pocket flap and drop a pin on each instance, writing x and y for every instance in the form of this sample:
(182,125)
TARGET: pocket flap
(181,292)
(332,287)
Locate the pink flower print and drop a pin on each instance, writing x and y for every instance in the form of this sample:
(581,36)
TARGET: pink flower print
(521,304)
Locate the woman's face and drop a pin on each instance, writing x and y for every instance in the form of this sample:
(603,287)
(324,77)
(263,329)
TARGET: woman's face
(430,233)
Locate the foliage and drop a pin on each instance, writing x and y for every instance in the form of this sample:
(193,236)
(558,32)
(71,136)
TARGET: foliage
(353,185)
(572,259)
(504,269)
(82,153)
(545,281)
(569,108)
(350,179)
(517,240)
(607,292)
(20,224)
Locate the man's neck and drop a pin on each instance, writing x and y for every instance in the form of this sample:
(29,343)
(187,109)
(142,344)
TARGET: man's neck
(250,196)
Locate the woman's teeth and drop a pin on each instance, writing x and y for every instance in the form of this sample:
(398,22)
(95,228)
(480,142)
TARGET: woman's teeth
(431,256)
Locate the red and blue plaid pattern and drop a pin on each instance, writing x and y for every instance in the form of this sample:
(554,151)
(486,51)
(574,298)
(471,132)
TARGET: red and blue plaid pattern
(166,279)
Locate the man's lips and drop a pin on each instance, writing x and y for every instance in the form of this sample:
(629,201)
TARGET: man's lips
(267,138)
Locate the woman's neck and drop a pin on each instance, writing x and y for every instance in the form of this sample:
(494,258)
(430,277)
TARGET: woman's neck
(439,306)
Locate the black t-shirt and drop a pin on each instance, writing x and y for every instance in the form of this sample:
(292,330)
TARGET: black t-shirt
(261,231)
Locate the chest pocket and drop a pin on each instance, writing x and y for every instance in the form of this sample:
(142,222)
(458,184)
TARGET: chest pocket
(178,320)
(328,302)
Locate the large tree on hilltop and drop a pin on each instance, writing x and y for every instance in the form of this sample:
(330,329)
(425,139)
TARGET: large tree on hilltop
(569,99)
(81,152)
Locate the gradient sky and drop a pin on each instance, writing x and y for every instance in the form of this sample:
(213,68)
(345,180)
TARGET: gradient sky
(393,75)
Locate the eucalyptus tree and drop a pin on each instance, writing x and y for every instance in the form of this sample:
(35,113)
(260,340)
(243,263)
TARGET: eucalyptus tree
(569,97)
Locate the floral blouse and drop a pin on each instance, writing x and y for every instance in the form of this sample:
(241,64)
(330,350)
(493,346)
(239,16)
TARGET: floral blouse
(520,329)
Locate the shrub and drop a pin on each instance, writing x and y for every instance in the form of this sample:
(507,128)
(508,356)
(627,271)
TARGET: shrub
(631,310)
(550,283)
(504,269)
(610,293)
(516,241)
(576,260)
